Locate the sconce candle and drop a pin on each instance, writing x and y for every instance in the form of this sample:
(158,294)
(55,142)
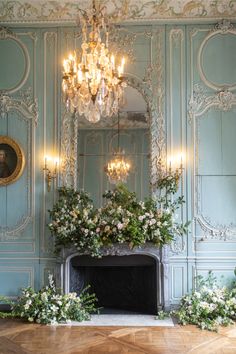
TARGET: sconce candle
(50,171)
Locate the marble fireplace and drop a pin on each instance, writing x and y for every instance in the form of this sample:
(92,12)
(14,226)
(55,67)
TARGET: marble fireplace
(125,280)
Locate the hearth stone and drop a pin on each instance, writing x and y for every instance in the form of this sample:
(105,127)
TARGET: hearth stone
(141,271)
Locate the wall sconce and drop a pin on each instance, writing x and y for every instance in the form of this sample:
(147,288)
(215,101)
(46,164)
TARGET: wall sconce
(175,163)
(51,170)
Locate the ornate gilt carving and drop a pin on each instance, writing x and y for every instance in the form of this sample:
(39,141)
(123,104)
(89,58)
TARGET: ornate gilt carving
(63,11)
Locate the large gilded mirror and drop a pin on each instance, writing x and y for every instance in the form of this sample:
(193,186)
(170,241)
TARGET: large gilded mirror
(129,130)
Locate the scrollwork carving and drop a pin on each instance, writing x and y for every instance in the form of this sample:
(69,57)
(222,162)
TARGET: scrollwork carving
(25,104)
(200,102)
(6,32)
(224,26)
(216,231)
(16,11)
(178,245)
(69,150)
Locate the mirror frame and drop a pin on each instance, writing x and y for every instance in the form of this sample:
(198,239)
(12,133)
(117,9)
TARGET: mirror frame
(69,137)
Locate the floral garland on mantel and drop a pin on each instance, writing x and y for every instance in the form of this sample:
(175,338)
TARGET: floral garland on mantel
(123,219)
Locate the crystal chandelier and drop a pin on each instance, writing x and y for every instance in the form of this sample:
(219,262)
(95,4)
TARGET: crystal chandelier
(118,168)
(92,83)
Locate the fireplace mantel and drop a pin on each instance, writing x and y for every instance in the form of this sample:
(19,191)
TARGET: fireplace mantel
(148,249)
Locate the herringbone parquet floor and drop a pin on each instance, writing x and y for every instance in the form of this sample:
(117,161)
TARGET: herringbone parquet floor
(17,337)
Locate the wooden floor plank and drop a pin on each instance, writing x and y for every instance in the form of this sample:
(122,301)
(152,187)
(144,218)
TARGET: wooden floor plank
(18,337)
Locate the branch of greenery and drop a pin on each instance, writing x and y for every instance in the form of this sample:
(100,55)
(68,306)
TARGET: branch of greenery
(162,315)
(50,306)
(209,306)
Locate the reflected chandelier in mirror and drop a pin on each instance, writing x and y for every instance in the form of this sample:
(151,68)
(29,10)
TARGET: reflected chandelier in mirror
(121,142)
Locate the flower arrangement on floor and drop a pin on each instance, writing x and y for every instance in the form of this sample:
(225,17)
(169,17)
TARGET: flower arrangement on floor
(49,306)
(209,306)
(123,219)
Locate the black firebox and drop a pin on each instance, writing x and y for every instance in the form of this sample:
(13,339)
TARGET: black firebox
(122,284)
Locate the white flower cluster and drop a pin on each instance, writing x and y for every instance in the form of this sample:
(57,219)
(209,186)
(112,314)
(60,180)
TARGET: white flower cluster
(208,307)
(49,307)
(122,219)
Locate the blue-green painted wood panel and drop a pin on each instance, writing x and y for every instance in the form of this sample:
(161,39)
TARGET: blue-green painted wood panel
(210,149)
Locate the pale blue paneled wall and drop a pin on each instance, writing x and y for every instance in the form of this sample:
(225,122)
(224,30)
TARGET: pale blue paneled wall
(25,246)
(207,139)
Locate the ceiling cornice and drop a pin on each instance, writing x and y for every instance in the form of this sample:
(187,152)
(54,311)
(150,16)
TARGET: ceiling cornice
(132,11)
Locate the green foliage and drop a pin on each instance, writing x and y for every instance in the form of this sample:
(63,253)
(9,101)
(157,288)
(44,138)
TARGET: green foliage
(74,221)
(162,315)
(123,219)
(49,306)
(209,306)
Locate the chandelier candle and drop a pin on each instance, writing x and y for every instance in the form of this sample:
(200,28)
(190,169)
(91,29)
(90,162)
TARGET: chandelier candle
(92,83)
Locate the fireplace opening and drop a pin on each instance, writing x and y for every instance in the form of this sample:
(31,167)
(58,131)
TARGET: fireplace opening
(122,284)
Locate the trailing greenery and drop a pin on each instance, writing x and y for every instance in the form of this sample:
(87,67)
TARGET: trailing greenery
(49,306)
(209,306)
(123,219)
(162,315)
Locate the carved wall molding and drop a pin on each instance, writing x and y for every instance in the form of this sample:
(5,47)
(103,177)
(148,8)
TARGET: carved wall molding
(69,143)
(6,34)
(216,231)
(199,103)
(26,108)
(24,104)
(176,55)
(224,27)
(21,11)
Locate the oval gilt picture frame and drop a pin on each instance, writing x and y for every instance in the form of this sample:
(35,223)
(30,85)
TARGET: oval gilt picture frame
(12,160)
